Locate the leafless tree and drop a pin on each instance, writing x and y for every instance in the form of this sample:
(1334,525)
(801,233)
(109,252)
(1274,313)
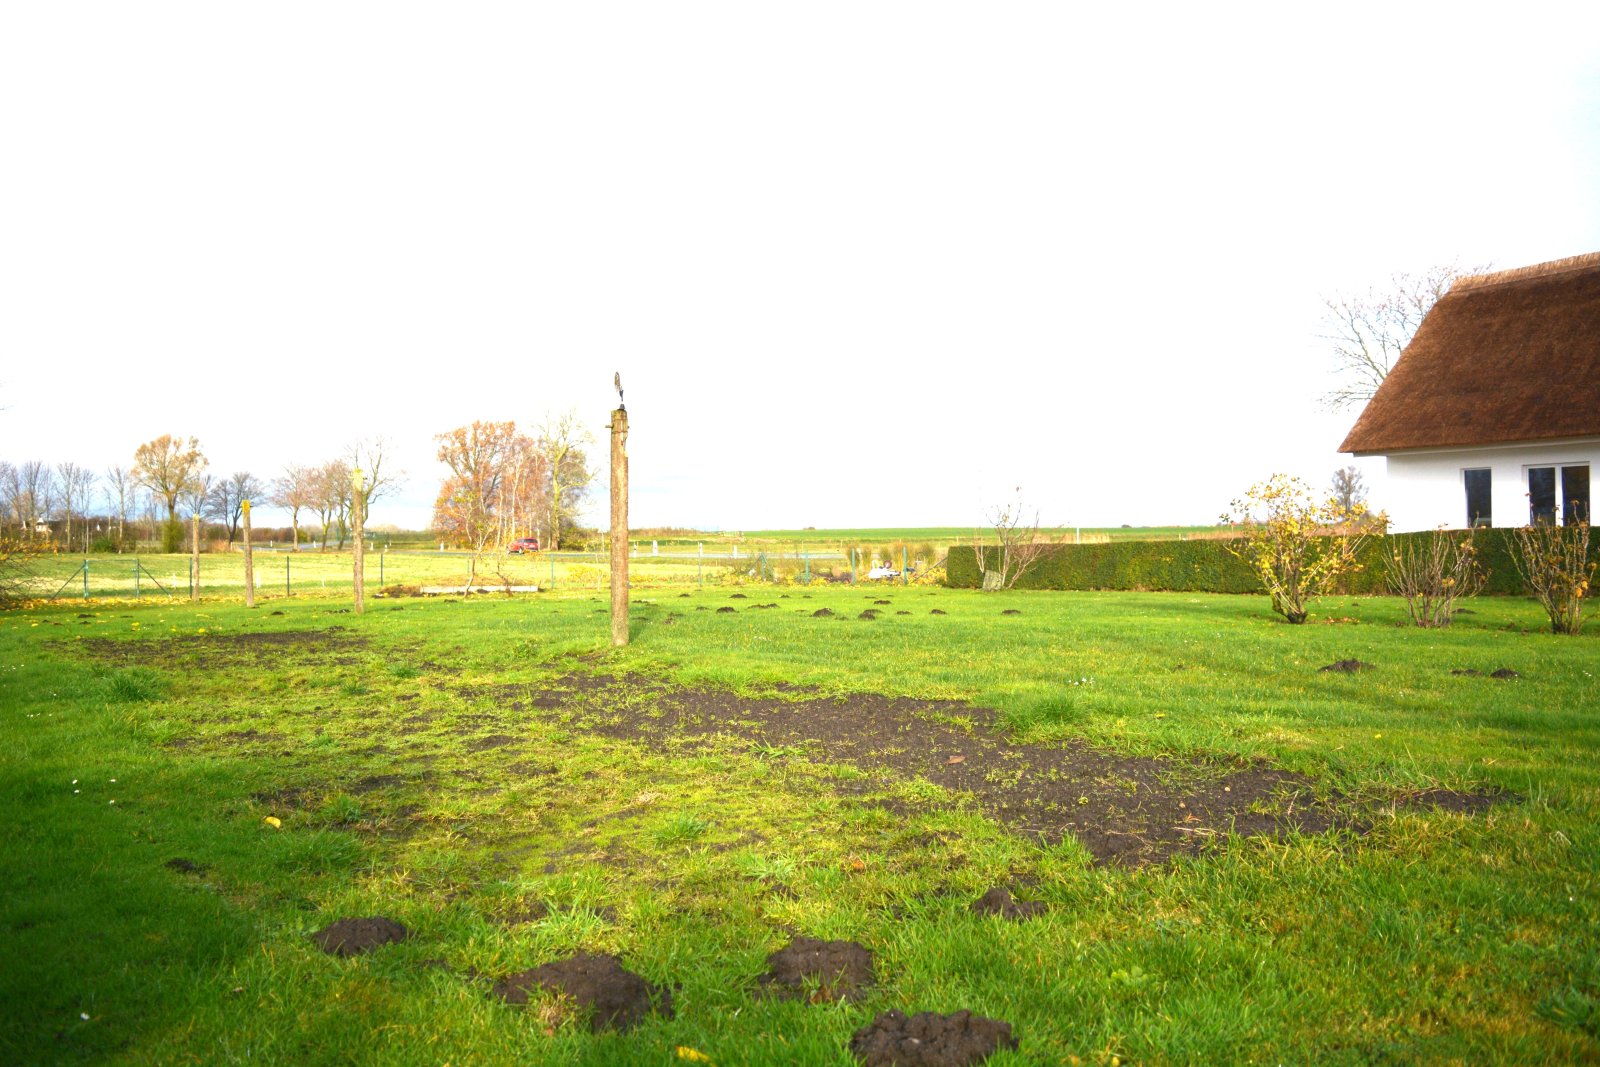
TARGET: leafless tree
(1017,544)
(119,497)
(561,441)
(76,485)
(1349,487)
(331,500)
(296,491)
(1369,330)
(29,491)
(370,455)
(225,501)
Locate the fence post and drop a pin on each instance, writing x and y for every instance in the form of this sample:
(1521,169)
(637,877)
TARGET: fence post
(287,591)
(905,579)
(136,571)
(194,563)
(249,560)
(86,578)
(358,505)
(619,524)
(380,568)
(852,564)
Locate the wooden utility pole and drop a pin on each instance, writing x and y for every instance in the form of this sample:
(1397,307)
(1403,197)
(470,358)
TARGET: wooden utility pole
(249,563)
(194,562)
(358,506)
(619,524)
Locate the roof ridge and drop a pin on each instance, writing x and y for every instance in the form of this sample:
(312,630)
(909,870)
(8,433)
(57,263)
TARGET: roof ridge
(1538,270)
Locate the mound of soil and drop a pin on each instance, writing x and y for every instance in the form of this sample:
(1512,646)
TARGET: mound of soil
(614,998)
(998,901)
(483,744)
(1347,666)
(883,602)
(183,866)
(822,613)
(930,1040)
(738,596)
(725,610)
(869,615)
(938,611)
(351,937)
(1504,673)
(902,613)
(1011,611)
(835,970)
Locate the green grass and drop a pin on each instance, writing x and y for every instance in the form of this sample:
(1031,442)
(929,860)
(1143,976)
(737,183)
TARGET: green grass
(1431,938)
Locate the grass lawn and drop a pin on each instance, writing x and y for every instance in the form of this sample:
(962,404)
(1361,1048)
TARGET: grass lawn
(496,778)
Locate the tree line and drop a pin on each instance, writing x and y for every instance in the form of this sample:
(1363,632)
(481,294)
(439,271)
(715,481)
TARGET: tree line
(503,484)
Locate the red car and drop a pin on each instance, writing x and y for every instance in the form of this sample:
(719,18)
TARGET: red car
(524,544)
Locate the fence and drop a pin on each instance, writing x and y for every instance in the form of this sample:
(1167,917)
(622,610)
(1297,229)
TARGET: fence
(284,573)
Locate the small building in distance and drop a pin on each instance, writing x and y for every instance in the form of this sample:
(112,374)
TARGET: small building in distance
(1491,416)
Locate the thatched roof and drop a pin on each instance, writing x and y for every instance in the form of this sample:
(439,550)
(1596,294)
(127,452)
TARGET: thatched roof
(1509,356)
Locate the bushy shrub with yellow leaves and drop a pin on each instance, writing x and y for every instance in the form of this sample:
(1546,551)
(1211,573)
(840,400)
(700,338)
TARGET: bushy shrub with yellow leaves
(1554,562)
(1296,543)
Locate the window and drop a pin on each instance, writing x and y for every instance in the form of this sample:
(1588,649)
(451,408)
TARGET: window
(1573,498)
(1479,510)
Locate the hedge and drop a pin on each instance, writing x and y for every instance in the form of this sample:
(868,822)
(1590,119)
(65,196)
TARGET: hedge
(1206,566)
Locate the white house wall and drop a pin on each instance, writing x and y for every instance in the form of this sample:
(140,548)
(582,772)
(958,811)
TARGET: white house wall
(1425,489)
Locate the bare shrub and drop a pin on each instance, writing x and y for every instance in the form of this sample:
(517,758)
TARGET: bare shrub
(1554,563)
(1432,575)
(1297,545)
(1017,544)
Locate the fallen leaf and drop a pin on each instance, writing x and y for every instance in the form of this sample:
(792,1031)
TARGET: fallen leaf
(955,759)
(855,863)
(693,1055)
(274,822)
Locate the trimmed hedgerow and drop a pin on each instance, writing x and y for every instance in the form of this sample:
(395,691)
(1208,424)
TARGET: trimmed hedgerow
(1206,566)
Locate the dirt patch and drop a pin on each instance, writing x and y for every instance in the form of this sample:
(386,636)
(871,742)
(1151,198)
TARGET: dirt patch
(1347,666)
(1467,673)
(191,650)
(612,997)
(1455,801)
(998,901)
(1125,810)
(183,866)
(1504,673)
(822,613)
(725,610)
(1011,611)
(930,1040)
(821,971)
(738,596)
(938,611)
(483,744)
(373,782)
(351,937)
(869,615)
(883,602)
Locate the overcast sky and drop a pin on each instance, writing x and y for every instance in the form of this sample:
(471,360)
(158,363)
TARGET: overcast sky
(859,264)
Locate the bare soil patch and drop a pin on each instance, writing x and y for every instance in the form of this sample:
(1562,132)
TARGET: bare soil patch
(613,998)
(930,1039)
(1346,666)
(1456,801)
(351,937)
(999,901)
(1125,810)
(822,971)
(822,613)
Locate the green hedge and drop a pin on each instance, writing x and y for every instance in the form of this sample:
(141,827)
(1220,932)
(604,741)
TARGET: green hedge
(1208,567)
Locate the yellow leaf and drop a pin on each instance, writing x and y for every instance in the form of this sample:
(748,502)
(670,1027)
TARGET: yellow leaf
(693,1055)
(274,822)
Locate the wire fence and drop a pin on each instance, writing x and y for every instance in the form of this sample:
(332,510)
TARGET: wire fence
(283,573)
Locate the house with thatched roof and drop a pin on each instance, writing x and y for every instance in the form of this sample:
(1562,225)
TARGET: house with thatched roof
(1491,416)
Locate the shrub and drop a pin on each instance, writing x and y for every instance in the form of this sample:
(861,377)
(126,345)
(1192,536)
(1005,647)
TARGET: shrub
(1292,542)
(1431,574)
(1554,563)
(172,536)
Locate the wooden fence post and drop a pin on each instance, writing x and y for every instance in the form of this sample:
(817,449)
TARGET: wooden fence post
(249,562)
(358,506)
(194,562)
(619,527)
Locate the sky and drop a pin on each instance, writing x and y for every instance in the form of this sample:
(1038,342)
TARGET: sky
(859,265)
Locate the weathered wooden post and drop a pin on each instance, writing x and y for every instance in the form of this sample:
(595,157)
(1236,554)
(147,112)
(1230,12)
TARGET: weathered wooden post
(619,521)
(358,507)
(194,562)
(249,562)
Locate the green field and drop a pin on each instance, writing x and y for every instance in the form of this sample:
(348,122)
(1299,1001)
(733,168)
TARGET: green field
(491,774)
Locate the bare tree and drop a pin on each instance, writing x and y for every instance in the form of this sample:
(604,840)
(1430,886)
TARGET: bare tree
(370,455)
(119,497)
(561,441)
(1349,487)
(168,466)
(331,498)
(76,485)
(490,464)
(11,493)
(296,491)
(1369,330)
(1017,544)
(225,501)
